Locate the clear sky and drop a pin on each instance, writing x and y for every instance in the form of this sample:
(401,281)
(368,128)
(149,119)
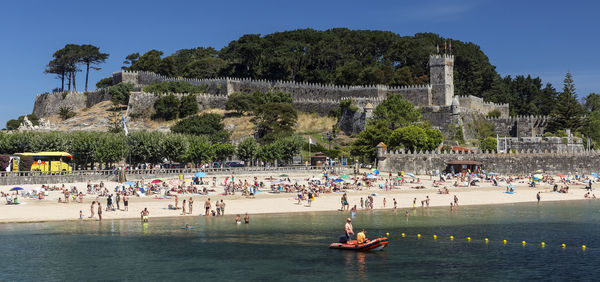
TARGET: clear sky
(541,38)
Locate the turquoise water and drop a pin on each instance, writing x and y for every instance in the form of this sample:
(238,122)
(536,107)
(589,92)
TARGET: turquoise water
(294,247)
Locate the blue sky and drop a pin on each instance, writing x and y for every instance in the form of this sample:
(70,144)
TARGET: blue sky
(542,38)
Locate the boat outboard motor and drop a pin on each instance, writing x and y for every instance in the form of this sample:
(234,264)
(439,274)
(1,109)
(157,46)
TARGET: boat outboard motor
(343,239)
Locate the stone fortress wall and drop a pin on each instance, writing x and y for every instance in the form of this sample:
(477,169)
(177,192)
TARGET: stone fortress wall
(519,162)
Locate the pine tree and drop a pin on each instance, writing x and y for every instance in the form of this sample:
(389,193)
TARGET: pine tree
(567,112)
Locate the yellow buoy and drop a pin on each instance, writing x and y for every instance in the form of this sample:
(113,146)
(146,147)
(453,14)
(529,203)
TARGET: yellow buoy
(583,247)
(523,243)
(468,238)
(543,244)
(403,235)
(418,235)
(434,237)
(486,240)
(504,242)
(451,237)
(387,234)
(563,246)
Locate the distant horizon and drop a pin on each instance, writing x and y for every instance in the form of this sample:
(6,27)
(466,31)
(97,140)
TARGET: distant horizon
(532,42)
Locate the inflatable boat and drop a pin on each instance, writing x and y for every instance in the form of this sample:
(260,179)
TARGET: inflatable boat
(372,245)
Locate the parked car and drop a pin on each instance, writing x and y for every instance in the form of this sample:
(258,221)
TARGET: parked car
(216,164)
(234,164)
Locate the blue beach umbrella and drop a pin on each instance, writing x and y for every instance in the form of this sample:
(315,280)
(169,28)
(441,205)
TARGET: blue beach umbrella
(339,180)
(595,174)
(16,189)
(492,173)
(371,176)
(129,183)
(411,175)
(200,174)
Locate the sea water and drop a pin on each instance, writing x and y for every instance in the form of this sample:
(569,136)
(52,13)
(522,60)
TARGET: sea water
(294,247)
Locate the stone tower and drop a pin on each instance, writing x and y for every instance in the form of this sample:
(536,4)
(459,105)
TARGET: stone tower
(441,78)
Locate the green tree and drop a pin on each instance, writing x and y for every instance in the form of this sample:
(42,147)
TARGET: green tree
(120,93)
(175,147)
(83,148)
(274,120)
(146,147)
(105,82)
(567,112)
(111,149)
(130,60)
(188,106)
(364,147)
(90,55)
(223,151)
(247,150)
(209,125)
(240,102)
(488,144)
(150,61)
(290,147)
(200,152)
(270,152)
(397,111)
(166,107)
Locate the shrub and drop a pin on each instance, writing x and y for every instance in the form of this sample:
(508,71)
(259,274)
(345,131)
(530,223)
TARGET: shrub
(494,114)
(166,107)
(188,106)
(120,93)
(488,144)
(66,113)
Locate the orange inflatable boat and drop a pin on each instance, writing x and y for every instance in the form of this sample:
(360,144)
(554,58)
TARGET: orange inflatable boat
(372,245)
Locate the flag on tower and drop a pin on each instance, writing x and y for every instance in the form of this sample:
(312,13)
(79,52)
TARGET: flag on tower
(310,141)
(124,125)
(450,46)
(445,46)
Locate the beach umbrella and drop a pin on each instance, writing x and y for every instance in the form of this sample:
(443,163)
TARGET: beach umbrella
(411,175)
(339,180)
(492,173)
(200,174)
(398,178)
(375,171)
(315,179)
(595,175)
(129,183)
(560,175)
(371,176)
(156,181)
(537,177)
(344,176)
(16,189)
(283,175)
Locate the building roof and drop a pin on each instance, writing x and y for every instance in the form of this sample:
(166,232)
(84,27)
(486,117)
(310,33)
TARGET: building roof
(369,106)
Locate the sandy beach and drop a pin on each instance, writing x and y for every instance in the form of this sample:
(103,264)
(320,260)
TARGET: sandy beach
(49,209)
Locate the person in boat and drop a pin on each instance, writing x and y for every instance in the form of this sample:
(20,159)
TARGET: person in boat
(348,229)
(361,237)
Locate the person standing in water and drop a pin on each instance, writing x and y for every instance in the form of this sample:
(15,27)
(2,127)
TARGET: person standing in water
(207,207)
(247,218)
(190,203)
(99,212)
(222,208)
(92,209)
(539,197)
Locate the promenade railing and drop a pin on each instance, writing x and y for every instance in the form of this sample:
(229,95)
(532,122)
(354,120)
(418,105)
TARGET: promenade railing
(47,177)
